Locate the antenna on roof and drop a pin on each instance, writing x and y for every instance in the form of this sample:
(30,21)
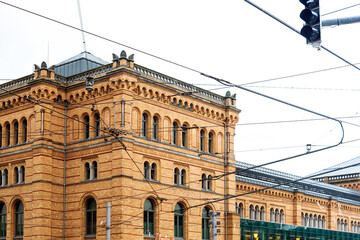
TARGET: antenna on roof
(83,34)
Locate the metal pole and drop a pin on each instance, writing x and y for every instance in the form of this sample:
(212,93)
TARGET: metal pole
(340,21)
(108,220)
(213,225)
(225,182)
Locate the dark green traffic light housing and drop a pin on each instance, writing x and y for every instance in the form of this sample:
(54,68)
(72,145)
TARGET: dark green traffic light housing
(312,26)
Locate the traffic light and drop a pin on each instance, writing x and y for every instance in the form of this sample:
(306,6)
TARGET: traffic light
(312,27)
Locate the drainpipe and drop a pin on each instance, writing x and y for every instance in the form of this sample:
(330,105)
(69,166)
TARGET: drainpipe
(225,172)
(64,186)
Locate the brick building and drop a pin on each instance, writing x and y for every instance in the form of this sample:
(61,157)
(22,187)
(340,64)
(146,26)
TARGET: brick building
(74,140)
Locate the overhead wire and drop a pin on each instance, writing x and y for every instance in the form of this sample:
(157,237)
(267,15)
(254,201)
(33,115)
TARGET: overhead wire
(221,81)
(341,9)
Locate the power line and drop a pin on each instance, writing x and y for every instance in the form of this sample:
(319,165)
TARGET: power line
(340,9)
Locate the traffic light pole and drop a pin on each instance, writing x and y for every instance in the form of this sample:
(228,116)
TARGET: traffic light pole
(340,21)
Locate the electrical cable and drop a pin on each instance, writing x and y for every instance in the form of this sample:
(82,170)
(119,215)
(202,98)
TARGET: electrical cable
(340,9)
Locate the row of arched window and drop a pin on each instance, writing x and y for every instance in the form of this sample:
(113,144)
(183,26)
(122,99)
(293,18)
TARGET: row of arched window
(342,225)
(355,227)
(206,182)
(87,125)
(277,215)
(19,176)
(18,221)
(259,213)
(179,176)
(180,134)
(13,134)
(313,220)
(179,220)
(150,170)
(91,170)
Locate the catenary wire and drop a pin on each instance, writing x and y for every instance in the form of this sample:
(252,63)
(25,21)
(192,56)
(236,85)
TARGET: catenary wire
(341,9)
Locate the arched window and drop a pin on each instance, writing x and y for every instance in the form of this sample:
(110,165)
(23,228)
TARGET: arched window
(205,224)
(24,130)
(175,135)
(262,214)
(303,222)
(176,176)
(155,127)
(22,174)
(153,171)
(144,124)
(16,175)
(251,212)
(209,180)
(87,171)
(146,170)
(149,218)
(19,219)
(8,135)
(203,181)
(277,216)
(346,226)
(97,124)
(257,213)
(93,170)
(282,216)
(338,225)
(87,127)
(210,142)
(182,177)
(2,220)
(241,210)
(183,135)
(272,215)
(202,140)
(179,221)
(16,133)
(90,217)
(323,222)
(4,177)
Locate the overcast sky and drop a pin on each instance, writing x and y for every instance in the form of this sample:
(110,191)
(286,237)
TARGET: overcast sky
(231,40)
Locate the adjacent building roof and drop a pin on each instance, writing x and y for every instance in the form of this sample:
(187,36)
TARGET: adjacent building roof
(266,177)
(346,171)
(80,63)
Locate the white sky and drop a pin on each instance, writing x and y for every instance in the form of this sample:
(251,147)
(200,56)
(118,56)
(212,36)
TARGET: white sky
(228,39)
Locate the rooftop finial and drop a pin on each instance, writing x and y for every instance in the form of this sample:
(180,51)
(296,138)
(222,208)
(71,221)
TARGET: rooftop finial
(123,54)
(43,65)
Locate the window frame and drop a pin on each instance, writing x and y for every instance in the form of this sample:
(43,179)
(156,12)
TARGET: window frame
(19,219)
(24,130)
(86,127)
(97,124)
(179,221)
(205,219)
(202,140)
(144,124)
(149,218)
(3,220)
(90,217)
(155,128)
(16,133)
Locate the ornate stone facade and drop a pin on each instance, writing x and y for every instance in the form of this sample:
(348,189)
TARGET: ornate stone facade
(138,139)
